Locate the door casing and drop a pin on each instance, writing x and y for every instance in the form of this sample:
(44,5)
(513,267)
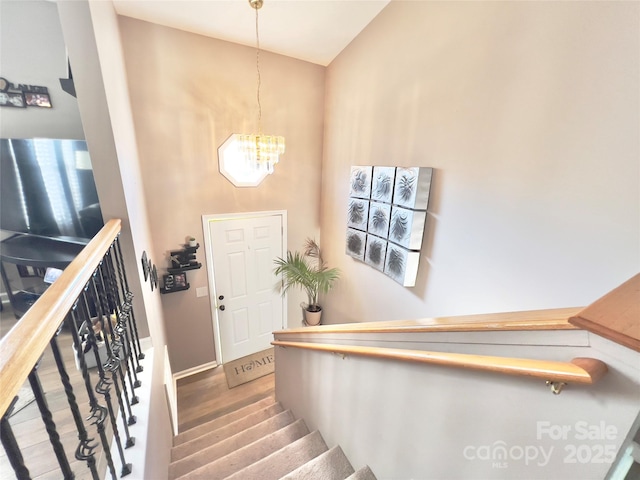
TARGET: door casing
(208,244)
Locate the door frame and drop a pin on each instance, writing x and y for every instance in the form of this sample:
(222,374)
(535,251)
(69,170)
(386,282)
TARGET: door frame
(208,246)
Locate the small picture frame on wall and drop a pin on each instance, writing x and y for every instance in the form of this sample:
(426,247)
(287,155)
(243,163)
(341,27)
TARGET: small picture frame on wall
(180,280)
(33,99)
(12,99)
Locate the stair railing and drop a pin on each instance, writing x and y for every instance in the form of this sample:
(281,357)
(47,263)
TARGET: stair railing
(92,300)
(585,371)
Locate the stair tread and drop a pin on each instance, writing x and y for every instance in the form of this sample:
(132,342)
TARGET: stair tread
(363,473)
(233,462)
(215,436)
(284,460)
(330,465)
(203,455)
(222,421)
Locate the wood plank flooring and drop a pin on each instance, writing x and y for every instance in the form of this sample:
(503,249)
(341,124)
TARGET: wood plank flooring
(205,396)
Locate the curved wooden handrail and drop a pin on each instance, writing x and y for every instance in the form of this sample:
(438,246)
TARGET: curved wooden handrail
(550,319)
(580,370)
(23,345)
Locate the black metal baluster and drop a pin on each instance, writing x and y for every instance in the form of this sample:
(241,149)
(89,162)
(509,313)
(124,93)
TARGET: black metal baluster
(47,418)
(11,446)
(83,435)
(128,296)
(121,326)
(103,386)
(98,412)
(117,345)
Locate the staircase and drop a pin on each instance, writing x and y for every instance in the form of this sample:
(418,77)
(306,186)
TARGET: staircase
(261,441)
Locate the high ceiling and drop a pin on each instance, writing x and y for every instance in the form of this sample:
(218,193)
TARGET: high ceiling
(312,30)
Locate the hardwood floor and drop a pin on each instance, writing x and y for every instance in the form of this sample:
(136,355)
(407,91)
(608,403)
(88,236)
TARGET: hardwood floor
(205,396)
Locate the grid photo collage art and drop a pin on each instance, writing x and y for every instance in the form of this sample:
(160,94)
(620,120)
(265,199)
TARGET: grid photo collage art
(386,217)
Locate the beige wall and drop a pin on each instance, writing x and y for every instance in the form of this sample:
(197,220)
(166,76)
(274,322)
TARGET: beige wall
(529,113)
(188,94)
(93,40)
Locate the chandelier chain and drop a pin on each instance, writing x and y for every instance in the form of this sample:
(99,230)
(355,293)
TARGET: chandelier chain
(258,75)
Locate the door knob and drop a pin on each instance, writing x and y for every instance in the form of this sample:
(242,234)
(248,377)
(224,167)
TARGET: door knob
(221,297)
(222,307)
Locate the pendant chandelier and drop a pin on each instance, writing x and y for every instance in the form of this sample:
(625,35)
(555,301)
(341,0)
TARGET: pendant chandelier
(260,152)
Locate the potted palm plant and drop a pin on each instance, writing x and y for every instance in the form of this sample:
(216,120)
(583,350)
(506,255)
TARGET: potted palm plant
(313,277)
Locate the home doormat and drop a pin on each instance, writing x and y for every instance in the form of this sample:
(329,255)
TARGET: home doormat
(249,368)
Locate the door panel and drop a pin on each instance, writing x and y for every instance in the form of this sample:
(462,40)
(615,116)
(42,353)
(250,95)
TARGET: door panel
(252,308)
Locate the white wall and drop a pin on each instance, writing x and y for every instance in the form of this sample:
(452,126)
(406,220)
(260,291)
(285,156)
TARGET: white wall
(528,111)
(415,421)
(32,52)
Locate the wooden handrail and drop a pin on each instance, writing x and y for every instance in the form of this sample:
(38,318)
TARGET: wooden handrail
(580,370)
(550,319)
(23,345)
(616,315)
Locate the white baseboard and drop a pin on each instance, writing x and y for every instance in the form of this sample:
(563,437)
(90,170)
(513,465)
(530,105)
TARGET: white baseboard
(171,390)
(192,371)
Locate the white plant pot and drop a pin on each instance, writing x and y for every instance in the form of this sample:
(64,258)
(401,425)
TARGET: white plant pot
(312,318)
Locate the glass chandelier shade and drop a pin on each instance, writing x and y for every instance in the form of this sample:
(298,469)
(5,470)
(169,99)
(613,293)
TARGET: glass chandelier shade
(260,152)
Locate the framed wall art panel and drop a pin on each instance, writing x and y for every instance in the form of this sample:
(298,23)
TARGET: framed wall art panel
(401,265)
(412,187)
(379,216)
(382,184)
(406,227)
(356,243)
(358,213)
(375,252)
(361,182)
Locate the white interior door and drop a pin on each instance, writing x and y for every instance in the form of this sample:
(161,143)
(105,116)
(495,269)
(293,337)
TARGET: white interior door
(246,296)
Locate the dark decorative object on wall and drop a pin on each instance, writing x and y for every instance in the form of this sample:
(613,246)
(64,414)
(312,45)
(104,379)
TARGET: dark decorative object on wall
(154,277)
(386,218)
(145,265)
(181,261)
(21,95)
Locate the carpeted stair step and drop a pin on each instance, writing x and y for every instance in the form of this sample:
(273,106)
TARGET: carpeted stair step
(222,433)
(222,421)
(330,465)
(249,454)
(364,473)
(205,453)
(285,460)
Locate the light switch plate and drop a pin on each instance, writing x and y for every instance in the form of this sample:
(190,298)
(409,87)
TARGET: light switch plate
(202,292)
